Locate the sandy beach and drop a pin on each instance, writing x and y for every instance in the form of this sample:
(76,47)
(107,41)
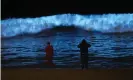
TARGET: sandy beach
(66,74)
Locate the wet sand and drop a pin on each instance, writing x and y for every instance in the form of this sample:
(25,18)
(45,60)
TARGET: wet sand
(66,74)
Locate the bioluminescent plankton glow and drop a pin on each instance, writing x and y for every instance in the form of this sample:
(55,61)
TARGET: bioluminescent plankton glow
(103,23)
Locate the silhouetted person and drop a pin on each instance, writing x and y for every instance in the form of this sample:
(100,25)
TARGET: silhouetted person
(49,53)
(84,53)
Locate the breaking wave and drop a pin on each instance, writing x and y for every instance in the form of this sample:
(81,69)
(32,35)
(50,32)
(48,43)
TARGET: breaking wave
(106,23)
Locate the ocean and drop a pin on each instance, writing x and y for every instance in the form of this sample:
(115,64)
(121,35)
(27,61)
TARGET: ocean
(110,35)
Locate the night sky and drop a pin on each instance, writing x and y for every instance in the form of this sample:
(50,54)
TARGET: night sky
(37,8)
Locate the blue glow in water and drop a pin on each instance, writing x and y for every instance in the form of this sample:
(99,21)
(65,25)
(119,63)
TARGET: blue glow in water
(103,23)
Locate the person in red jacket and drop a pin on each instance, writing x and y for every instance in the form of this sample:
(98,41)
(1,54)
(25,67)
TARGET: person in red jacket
(49,54)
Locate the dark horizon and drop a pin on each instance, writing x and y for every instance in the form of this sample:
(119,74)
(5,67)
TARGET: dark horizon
(28,8)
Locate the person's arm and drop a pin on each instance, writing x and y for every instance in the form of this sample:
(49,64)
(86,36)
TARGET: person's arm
(89,45)
(79,46)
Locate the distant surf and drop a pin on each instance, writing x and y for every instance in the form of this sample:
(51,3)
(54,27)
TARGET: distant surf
(106,23)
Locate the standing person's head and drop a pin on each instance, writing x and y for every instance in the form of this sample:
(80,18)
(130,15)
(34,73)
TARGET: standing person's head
(84,41)
(48,43)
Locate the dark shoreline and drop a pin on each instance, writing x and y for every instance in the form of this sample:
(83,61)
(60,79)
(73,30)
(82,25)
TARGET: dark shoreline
(66,74)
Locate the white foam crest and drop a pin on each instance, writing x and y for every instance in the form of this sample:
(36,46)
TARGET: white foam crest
(103,23)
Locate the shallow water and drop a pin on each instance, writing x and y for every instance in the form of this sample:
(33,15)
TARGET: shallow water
(107,51)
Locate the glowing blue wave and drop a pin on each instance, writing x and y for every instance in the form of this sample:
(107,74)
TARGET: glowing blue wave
(103,23)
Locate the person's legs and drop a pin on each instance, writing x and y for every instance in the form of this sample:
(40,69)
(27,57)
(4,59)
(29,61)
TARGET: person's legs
(86,61)
(86,65)
(82,62)
(82,66)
